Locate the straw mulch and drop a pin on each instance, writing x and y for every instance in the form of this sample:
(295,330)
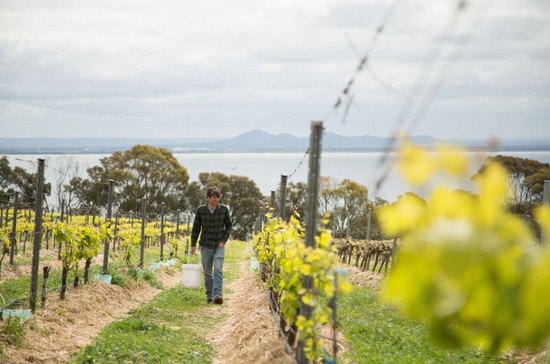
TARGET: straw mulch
(365,278)
(64,326)
(249,334)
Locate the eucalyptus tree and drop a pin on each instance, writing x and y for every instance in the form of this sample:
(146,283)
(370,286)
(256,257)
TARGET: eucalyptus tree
(296,199)
(20,180)
(525,180)
(142,172)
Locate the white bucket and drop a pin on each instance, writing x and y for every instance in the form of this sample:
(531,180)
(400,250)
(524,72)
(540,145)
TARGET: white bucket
(191,275)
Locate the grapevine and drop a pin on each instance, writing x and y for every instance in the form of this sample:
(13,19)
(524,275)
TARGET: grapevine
(89,247)
(70,236)
(130,239)
(467,265)
(4,244)
(285,260)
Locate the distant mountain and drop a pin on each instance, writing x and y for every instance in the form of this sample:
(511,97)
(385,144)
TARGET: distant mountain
(252,141)
(255,140)
(260,141)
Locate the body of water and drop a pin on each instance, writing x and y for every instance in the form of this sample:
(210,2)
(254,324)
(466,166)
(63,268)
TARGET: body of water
(266,168)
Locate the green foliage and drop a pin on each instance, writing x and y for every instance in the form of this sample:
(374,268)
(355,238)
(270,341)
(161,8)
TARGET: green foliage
(296,199)
(5,178)
(69,236)
(346,202)
(89,243)
(192,197)
(145,275)
(354,197)
(4,243)
(133,273)
(149,277)
(190,259)
(131,239)
(18,179)
(13,330)
(173,243)
(117,278)
(79,242)
(525,180)
(535,184)
(144,171)
(92,192)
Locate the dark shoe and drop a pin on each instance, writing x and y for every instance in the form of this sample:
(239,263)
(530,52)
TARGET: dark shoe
(209,301)
(218,300)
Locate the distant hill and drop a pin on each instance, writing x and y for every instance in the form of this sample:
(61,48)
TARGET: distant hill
(252,141)
(260,141)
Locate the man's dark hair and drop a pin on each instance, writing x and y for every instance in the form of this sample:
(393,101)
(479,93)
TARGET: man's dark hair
(213,191)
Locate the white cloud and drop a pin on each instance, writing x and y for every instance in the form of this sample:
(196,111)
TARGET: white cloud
(141,68)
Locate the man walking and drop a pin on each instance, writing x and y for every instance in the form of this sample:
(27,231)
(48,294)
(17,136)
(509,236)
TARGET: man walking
(213,223)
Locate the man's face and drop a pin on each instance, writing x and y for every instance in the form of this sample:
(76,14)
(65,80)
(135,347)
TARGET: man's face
(213,200)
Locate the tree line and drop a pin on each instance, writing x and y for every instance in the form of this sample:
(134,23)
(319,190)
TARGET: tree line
(154,174)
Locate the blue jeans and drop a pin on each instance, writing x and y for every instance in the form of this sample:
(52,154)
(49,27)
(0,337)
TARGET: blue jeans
(213,258)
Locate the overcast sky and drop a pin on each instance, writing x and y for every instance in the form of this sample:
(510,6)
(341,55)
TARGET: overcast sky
(215,68)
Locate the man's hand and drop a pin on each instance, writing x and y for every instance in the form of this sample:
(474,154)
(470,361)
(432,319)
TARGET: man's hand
(192,250)
(221,244)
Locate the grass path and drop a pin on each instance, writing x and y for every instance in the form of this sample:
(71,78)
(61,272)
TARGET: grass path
(171,328)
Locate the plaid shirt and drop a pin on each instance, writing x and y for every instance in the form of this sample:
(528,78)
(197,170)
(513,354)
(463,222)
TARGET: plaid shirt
(213,227)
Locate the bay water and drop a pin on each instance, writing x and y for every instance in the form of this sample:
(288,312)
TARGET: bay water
(266,168)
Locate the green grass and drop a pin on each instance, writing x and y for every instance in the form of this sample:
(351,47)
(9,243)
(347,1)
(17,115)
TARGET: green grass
(141,341)
(13,331)
(171,328)
(378,334)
